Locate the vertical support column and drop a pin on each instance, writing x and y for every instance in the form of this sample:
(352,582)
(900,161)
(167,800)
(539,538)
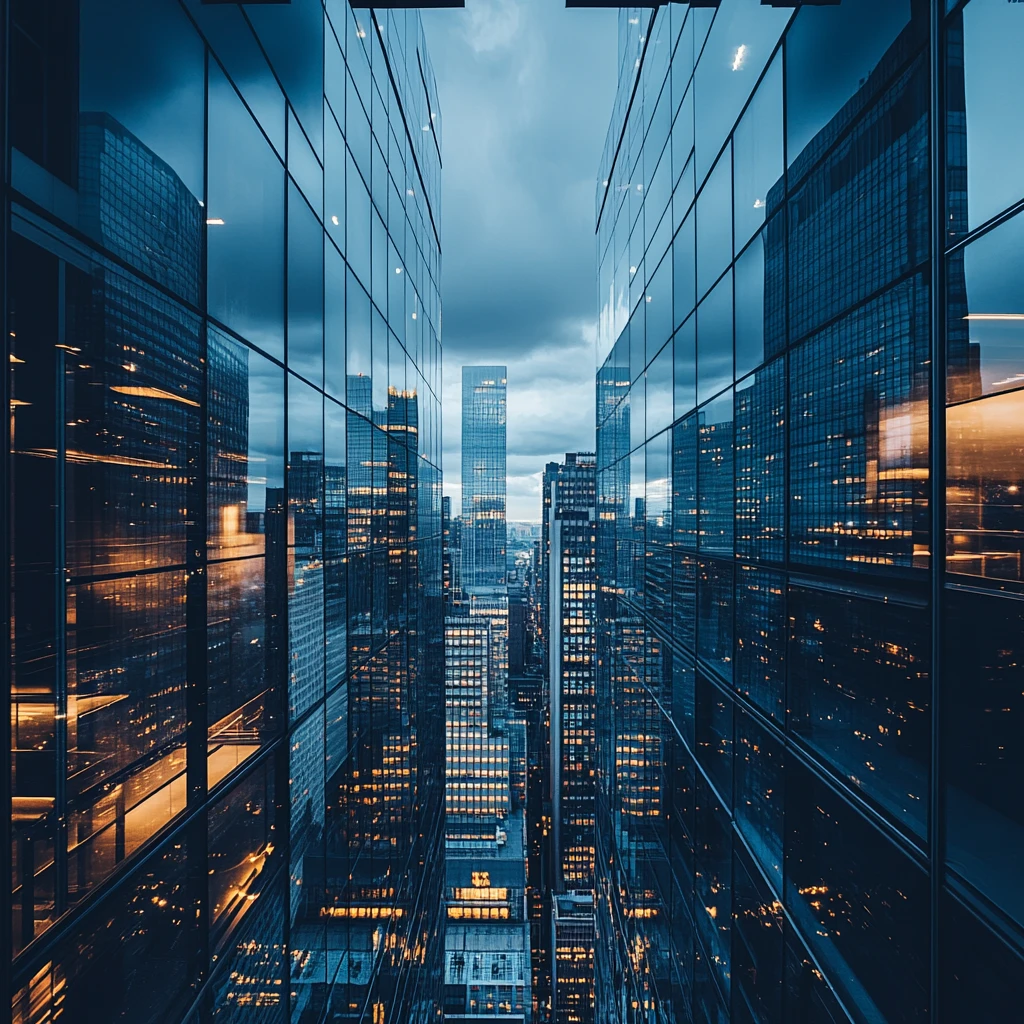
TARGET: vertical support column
(60,848)
(937,497)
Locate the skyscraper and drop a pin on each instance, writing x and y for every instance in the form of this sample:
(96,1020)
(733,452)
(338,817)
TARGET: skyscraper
(224,655)
(571,574)
(804,507)
(483,476)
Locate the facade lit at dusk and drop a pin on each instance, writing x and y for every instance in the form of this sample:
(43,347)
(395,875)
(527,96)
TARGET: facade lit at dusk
(223,514)
(809,576)
(571,573)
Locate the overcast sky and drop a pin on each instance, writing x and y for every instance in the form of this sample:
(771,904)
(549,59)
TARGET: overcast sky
(526,90)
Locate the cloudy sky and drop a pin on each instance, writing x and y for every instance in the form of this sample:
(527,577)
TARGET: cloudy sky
(526,90)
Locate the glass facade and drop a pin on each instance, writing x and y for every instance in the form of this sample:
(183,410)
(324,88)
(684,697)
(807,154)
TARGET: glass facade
(483,476)
(223,512)
(809,566)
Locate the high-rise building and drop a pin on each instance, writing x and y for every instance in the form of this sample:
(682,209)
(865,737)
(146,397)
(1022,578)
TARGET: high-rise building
(808,558)
(571,575)
(572,943)
(483,476)
(451,556)
(477,755)
(223,530)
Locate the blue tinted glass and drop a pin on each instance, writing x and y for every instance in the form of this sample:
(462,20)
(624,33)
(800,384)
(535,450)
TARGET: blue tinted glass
(245,223)
(357,222)
(985,137)
(714,225)
(757,153)
(715,341)
(304,167)
(305,290)
(738,47)
(293,38)
(985,325)
(684,260)
(140,156)
(830,55)
(759,792)
(715,475)
(761,639)
(859,695)
(659,391)
(715,615)
(305,569)
(684,345)
(335,357)
(750,277)
(983,745)
(760,448)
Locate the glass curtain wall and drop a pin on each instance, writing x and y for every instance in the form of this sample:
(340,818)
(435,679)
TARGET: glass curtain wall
(222,486)
(808,697)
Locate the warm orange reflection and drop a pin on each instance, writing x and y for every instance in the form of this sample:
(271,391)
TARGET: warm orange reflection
(985,476)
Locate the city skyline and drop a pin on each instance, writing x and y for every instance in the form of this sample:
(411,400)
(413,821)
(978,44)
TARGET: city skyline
(693,694)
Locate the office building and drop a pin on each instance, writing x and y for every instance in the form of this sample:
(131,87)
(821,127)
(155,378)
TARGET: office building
(572,940)
(483,476)
(805,506)
(451,556)
(224,655)
(487,939)
(477,755)
(571,575)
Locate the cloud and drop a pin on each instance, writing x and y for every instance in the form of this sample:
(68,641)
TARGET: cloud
(526,90)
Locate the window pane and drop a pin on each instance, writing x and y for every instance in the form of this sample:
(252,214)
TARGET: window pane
(715,469)
(984,477)
(830,55)
(860,901)
(714,224)
(305,290)
(245,218)
(659,391)
(241,658)
(714,735)
(985,135)
(858,425)
(757,153)
(133,398)
(760,452)
(859,695)
(759,794)
(761,639)
(140,157)
(685,358)
(715,341)
(985,319)
(714,614)
(750,323)
(981,737)
(305,578)
(245,409)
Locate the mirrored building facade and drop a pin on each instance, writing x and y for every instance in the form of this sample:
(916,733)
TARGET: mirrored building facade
(483,476)
(809,581)
(223,525)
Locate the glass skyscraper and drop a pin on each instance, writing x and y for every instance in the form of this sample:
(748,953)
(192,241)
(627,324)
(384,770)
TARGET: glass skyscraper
(483,476)
(223,514)
(809,565)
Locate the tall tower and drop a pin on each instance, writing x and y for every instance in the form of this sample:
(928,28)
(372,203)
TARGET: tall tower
(483,476)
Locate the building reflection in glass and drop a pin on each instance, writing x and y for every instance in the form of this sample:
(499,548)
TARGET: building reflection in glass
(766,807)
(225,536)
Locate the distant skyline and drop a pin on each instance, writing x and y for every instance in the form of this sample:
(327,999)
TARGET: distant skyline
(518,220)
